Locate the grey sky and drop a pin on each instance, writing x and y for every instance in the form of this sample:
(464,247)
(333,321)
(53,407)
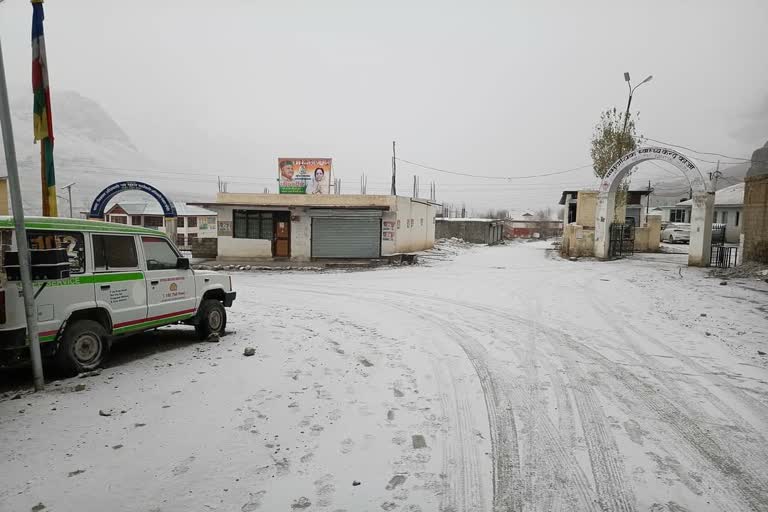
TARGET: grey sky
(499,88)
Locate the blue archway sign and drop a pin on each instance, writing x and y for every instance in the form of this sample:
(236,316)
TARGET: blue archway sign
(100,203)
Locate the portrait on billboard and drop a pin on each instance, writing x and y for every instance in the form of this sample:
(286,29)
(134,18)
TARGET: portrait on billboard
(304,175)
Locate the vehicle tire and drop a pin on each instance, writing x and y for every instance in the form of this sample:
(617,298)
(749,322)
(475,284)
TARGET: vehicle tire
(212,318)
(84,346)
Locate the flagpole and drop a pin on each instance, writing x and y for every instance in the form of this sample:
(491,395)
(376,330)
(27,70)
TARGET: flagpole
(21,232)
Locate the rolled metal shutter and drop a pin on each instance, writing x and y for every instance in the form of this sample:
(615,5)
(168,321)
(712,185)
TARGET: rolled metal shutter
(346,237)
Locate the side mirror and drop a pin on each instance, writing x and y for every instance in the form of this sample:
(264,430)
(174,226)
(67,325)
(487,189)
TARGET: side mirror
(182,264)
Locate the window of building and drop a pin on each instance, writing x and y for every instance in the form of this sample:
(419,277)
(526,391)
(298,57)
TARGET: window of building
(71,241)
(252,224)
(677,215)
(738,214)
(180,241)
(136,220)
(158,253)
(153,222)
(191,222)
(112,252)
(714,218)
(118,219)
(192,238)
(724,217)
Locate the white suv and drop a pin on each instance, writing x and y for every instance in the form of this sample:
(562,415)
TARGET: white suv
(121,280)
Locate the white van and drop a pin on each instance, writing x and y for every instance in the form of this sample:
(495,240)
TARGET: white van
(121,280)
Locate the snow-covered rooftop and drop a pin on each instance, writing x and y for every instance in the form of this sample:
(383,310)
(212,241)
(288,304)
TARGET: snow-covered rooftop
(153,208)
(728,196)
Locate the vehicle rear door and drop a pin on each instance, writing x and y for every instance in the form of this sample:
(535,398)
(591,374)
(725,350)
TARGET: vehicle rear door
(170,290)
(118,282)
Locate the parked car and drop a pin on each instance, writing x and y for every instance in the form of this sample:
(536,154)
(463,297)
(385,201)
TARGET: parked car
(676,232)
(94,281)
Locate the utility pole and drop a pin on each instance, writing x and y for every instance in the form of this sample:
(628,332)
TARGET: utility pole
(648,202)
(394,170)
(69,193)
(21,232)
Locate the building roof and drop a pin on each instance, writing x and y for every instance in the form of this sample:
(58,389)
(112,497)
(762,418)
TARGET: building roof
(153,208)
(67,224)
(728,196)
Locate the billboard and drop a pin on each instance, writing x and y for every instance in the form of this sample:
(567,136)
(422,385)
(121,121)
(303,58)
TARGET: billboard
(304,175)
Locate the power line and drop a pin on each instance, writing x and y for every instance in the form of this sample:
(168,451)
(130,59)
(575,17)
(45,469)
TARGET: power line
(458,173)
(741,159)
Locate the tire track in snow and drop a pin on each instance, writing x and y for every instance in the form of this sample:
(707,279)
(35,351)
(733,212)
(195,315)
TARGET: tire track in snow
(508,487)
(748,488)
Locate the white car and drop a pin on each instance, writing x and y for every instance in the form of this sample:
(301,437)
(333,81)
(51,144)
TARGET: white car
(676,232)
(94,281)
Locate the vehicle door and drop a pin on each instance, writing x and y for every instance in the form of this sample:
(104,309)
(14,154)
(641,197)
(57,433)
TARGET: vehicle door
(170,290)
(118,282)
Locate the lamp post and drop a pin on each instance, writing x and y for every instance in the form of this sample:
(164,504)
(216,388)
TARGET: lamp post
(69,191)
(631,92)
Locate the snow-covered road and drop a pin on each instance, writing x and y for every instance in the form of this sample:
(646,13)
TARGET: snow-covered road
(501,380)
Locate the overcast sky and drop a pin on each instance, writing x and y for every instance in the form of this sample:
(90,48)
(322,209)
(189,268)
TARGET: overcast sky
(505,88)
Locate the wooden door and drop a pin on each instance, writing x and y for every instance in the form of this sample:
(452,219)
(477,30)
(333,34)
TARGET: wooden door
(282,244)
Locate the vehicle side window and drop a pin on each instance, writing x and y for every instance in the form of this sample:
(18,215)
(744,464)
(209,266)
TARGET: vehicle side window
(112,252)
(72,241)
(158,253)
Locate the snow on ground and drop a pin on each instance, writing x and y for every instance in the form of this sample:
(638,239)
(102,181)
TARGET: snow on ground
(499,378)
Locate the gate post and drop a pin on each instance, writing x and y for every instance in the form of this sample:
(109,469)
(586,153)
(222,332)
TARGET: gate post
(700,244)
(606,202)
(170,229)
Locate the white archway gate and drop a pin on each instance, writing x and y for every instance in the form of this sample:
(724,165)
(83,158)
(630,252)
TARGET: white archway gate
(701,211)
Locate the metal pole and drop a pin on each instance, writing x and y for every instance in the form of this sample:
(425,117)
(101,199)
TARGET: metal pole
(394,170)
(69,193)
(21,232)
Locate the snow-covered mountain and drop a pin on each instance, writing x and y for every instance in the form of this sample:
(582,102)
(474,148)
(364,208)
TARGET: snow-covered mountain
(91,149)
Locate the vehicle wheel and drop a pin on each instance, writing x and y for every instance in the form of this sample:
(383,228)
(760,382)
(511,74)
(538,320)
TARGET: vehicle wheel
(83,347)
(212,318)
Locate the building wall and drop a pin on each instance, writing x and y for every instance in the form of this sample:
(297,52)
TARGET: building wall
(586,206)
(476,232)
(419,234)
(4,209)
(755,218)
(301,234)
(205,248)
(577,241)
(239,248)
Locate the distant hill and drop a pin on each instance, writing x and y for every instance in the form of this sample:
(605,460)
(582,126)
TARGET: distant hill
(91,149)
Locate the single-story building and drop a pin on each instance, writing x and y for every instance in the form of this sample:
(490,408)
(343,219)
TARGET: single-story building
(729,203)
(633,212)
(193,223)
(304,227)
(579,223)
(476,231)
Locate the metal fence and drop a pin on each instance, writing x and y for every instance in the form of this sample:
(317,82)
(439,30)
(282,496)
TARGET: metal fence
(622,241)
(723,256)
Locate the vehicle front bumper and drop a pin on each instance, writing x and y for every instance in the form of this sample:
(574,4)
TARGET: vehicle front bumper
(229,298)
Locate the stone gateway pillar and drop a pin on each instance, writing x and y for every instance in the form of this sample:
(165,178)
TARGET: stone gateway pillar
(755,224)
(701,229)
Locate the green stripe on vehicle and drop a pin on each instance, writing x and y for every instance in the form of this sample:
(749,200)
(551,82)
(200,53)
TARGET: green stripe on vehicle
(95,278)
(47,338)
(152,323)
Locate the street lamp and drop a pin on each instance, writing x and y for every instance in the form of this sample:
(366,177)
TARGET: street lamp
(631,92)
(69,190)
